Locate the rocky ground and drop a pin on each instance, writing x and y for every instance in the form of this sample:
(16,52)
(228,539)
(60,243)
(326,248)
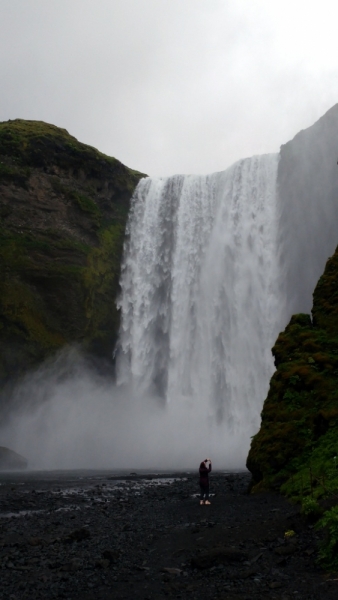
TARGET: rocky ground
(146,537)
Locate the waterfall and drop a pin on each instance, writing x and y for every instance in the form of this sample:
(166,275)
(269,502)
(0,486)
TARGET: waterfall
(199,310)
(213,269)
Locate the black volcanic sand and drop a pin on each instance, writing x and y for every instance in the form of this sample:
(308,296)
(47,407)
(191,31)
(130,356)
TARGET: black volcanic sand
(146,537)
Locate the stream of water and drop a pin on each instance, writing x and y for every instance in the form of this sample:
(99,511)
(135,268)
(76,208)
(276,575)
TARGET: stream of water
(199,292)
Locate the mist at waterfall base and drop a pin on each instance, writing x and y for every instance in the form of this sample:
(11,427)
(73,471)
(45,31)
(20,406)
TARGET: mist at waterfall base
(66,416)
(213,268)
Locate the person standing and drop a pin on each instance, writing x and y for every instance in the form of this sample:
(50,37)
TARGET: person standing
(204,470)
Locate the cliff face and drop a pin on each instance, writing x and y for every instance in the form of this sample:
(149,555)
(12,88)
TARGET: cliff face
(63,210)
(307,184)
(296,445)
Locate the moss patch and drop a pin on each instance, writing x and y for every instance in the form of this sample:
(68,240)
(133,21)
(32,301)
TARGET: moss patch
(15,175)
(102,283)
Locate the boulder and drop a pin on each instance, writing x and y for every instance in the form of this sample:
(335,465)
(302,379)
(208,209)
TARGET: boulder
(11,460)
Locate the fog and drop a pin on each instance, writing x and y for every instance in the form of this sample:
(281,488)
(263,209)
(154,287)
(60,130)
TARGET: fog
(66,415)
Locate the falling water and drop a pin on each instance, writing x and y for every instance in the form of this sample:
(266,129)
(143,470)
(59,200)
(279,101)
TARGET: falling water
(213,269)
(199,293)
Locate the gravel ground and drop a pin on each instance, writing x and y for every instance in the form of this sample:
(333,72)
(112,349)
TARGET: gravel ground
(146,537)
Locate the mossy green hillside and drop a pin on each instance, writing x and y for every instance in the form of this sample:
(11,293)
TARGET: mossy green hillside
(35,144)
(300,414)
(296,448)
(63,210)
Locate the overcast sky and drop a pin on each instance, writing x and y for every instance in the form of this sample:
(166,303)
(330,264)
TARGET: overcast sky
(170,86)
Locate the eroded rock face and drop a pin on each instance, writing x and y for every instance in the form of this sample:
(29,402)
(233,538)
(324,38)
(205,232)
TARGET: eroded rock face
(296,446)
(11,460)
(63,210)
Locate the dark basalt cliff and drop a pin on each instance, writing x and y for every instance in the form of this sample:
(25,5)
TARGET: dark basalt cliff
(63,210)
(297,443)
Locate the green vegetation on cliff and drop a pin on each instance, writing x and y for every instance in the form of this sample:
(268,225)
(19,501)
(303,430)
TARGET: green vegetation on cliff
(35,144)
(63,210)
(296,448)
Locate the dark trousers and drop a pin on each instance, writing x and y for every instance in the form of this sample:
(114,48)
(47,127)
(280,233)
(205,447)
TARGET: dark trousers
(204,492)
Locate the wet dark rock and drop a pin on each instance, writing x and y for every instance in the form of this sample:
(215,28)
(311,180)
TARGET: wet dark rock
(286,550)
(249,572)
(216,557)
(11,460)
(111,555)
(171,570)
(78,535)
(275,585)
(35,541)
(102,563)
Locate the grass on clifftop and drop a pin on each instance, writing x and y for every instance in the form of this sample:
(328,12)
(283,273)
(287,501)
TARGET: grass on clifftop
(39,144)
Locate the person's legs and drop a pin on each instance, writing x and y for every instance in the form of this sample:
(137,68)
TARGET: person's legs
(202,494)
(206,489)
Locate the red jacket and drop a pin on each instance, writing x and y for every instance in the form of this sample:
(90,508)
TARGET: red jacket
(204,473)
